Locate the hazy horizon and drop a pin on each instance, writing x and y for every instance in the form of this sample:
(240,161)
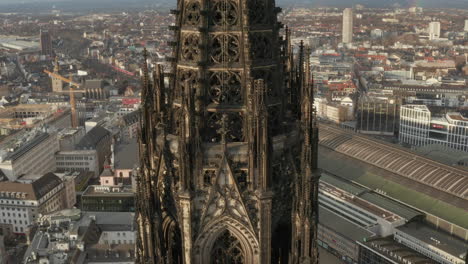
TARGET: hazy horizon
(313,3)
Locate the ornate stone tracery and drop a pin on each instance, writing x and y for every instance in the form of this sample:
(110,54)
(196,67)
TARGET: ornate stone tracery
(224,48)
(224,12)
(191,47)
(260,48)
(225,87)
(185,77)
(234,121)
(192,13)
(257,12)
(219,142)
(227,250)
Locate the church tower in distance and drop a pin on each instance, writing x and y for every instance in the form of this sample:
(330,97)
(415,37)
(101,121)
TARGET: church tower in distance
(228,149)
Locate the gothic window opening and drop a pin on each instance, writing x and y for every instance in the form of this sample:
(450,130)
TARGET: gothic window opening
(260,49)
(224,48)
(174,245)
(224,13)
(185,77)
(191,47)
(241,178)
(192,14)
(227,250)
(257,12)
(225,87)
(213,131)
(208,177)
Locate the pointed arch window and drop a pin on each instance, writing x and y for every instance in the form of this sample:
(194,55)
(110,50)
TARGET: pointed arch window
(227,250)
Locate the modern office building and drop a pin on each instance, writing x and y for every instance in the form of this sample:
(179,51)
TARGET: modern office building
(466,25)
(348,25)
(434,30)
(22,202)
(46,43)
(108,199)
(33,154)
(418,127)
(377,116)
(77,160)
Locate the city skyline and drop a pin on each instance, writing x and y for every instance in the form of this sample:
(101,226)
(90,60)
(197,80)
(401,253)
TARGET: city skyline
(313,3)
(238,132)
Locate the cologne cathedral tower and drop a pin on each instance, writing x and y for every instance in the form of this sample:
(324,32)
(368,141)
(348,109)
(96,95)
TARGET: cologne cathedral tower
(228,148)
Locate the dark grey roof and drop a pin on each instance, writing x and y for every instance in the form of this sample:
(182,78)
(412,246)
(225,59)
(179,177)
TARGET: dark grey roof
(93,137)
(342,226)
(370,196)
(45,184)
(395,251)
(27,146)
(126,154)
(131,118)
(393,206)
(435,238)
(94,84)
(35,190)
(342,184)
(396,160)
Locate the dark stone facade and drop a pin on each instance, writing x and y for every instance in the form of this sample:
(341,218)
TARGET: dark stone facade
(228,151)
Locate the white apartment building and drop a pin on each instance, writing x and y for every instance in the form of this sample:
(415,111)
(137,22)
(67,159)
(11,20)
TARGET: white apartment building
(348,25)
(419,128)
(22,202)
(466,25)
(35,155)
(434,30)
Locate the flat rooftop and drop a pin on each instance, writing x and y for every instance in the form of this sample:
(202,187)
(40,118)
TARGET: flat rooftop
(406,190)
(397,160)
(417,107)
(396,252)
(358,202)
(342,226)
(97,190)
(436,238)
(27,146)
(367,199)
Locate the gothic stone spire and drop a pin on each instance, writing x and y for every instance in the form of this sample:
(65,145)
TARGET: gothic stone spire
(226,133)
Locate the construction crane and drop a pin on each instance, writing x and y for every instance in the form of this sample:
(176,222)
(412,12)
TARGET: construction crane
(72,92)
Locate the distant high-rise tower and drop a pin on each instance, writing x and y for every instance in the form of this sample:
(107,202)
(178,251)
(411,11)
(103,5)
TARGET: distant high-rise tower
(228,149)
(46,43)
(434,30)
(466,25)
(57,83)
(348,25)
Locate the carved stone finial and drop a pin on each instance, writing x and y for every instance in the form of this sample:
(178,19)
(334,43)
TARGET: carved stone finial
(223,130)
